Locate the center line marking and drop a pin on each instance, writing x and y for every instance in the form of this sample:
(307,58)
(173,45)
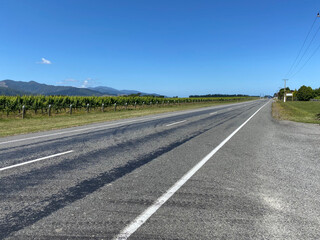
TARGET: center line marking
(144,216)
(213,113)
(175,123)
(35,160)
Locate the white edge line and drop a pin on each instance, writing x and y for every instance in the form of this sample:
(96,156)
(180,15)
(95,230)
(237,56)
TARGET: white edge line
(35,160)
(106,125)
(144,216)
(175,123)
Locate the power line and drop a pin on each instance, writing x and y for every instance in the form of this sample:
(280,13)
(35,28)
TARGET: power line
(306,61)
(304,42)
(306,50)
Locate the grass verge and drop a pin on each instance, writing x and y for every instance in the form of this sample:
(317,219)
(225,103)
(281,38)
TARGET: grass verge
(37,123)
(307,112)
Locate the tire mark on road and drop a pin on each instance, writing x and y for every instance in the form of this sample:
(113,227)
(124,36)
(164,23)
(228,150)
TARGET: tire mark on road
(29,215)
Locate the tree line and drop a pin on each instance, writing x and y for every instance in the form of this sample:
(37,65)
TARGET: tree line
(304,93)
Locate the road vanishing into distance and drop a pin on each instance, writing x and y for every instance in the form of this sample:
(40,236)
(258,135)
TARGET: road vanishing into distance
(223,172)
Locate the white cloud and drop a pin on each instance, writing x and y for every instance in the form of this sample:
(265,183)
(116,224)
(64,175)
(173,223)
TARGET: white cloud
(68,81)
(85,83)
(88,82)
(71,80)
(45,61)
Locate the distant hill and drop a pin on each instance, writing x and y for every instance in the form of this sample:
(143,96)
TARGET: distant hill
(13,88)
(115,92)
(35,88)
(12,92)
(106,90)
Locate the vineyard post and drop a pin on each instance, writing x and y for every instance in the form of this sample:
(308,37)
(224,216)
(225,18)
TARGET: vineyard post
(157,103)
(23,111)
(126,104)
(135,105)
(142,104)
(115,106)
(70,109)
(87,107)
(102,107)
(49,111)
(151,104)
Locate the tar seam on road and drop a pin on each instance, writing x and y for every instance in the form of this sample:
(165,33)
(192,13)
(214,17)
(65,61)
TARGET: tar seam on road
(35,160)
(144,216)
(213,113)
(105,125)
(171,124)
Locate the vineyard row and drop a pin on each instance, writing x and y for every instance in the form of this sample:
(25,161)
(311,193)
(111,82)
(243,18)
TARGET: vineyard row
(9,104)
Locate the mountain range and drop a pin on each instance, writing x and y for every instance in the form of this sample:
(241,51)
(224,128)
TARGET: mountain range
(13,88)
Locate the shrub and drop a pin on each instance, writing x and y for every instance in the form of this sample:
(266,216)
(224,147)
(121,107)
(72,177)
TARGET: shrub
(305,93)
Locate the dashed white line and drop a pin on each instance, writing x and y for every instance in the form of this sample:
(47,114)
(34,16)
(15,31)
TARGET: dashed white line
(213,113)
(65,132)
(102,126)
(96,127)
(35,160)
(143,217)
(175,123)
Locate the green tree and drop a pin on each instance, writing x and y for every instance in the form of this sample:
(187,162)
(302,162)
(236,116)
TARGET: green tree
(281,92)
(305,93)
(317,92)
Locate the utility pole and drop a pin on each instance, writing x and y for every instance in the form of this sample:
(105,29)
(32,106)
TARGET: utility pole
(284,90)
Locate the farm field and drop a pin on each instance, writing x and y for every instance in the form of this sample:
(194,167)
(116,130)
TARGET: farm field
(307,112)
(36,117)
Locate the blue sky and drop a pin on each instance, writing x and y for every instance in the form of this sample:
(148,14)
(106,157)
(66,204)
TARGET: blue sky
(176,47)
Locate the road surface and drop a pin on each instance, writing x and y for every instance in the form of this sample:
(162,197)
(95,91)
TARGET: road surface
(225,172)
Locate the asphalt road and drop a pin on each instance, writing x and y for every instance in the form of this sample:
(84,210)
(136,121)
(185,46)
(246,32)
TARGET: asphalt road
(136,178)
